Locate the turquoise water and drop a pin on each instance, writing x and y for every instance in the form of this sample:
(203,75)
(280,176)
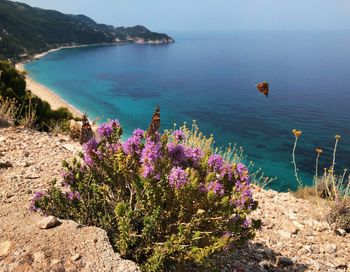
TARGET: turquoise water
(211,77)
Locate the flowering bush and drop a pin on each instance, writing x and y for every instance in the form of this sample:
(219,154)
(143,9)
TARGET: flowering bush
(164,204)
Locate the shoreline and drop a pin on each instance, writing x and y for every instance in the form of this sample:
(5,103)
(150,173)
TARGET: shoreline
(47,94)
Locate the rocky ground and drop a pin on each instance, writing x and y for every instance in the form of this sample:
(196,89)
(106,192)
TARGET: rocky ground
(294,236)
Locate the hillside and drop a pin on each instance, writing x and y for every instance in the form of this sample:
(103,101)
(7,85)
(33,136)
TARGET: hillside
(25,30)
(294,237)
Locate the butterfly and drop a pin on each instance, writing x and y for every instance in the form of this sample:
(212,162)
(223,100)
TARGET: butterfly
(155,124)
(263,87)
(86,131)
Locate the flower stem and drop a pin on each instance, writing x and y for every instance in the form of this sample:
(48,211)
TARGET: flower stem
(333,164)
(300,184)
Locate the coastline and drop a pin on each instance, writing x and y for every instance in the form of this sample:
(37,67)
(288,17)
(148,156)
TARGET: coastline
(47,94)
(44,92)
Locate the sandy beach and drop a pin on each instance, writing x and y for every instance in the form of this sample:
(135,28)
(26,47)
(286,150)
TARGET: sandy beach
(47,94)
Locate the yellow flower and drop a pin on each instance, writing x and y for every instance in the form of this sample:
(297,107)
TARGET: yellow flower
(296,133)
(337,137)
(319,150)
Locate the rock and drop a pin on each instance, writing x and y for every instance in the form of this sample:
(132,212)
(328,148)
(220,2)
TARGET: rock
(264,264)
(340,263)
(2,139)
(70,147)
(39,257)
(5,165)
(308,248)
(268,253)
(32,176)
(48,222)
(320,226)
(284,234)
(284,261)
(26,154)
(331,248)
(298,225)
(290,227)
(75,257)
(4,248)
(340,232)
(9,194)
(55,261)
(315,264)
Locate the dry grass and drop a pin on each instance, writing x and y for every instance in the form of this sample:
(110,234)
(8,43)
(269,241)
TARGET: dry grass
(8,111)
(330,190)
(230,153)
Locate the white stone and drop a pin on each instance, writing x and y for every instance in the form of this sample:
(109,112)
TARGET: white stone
(4,248)
(331,248)
(48,222)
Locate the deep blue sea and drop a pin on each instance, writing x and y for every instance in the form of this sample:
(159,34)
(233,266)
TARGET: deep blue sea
(211,78)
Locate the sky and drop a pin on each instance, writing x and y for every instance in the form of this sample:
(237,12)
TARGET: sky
(210,15)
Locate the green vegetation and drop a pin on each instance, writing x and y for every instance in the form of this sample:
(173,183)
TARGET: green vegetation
(164,204)
(22,107)
(25,30)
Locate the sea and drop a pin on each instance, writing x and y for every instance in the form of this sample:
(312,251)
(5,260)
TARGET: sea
(211,78)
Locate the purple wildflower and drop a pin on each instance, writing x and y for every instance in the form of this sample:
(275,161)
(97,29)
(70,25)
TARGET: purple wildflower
(193,155)
(90,146)
(68,178)
(106,129)
(215,187)
(241,169)
(150,154)
(36,197)
(216,162)
(133,144)
(73,195)
(242,173)
(177,177)
(114,147)
(90,149)
(88,160)
(246,223)
(139,133)
(178,135)
(176,153)
(245,198)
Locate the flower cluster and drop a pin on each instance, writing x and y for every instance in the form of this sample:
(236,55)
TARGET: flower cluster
(106,129)
(149,156)
(178,135)
(90,150)
(184,156)
(133,144)
(216,162)
(160,187)
(177,177)
(73,196)
(215,187)
(36,198)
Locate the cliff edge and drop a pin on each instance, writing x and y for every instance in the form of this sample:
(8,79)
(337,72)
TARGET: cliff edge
(294,236)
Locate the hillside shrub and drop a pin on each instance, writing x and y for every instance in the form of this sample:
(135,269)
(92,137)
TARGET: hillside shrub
(339,214)
(31,110)
(166,205)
